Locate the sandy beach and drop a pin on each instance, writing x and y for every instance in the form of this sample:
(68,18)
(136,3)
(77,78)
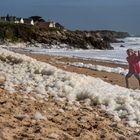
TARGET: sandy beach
(63,66)
(113,78)
(30,117)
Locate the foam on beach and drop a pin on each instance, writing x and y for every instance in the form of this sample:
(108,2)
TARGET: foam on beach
(117,70)
(45,80)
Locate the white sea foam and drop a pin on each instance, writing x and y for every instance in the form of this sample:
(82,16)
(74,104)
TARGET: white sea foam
(118,70)
(34,46)
(118,55)
(45,79)
(13,45)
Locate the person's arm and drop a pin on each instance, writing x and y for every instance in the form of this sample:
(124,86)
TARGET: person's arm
(131,59)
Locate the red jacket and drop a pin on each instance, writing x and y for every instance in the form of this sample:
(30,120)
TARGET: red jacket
(134,66)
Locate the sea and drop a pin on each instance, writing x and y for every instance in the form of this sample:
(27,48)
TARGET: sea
(118,55)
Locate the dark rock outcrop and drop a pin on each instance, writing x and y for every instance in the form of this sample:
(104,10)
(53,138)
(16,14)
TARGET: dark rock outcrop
(122,46)
(77,39)
(112,36)
(55,36)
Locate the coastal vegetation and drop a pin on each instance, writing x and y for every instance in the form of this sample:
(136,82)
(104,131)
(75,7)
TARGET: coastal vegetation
(41,33)
(15,33)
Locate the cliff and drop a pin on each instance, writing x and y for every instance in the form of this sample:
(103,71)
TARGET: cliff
(54,36)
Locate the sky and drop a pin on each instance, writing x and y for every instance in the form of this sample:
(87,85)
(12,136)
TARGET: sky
(118,15)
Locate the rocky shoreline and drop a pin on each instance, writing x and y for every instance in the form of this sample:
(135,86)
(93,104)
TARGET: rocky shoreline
(80,39)
(54,36)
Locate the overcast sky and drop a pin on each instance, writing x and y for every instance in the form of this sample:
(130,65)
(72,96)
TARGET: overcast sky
(119,15)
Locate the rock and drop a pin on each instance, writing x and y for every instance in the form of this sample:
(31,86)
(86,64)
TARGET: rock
(61,110)
(87,101)
(25,97)
(2,78)
(122,46)
(39,116)
(32,98)
(77,39)
(122,138)
(53,135)
(21,116)
(76,103)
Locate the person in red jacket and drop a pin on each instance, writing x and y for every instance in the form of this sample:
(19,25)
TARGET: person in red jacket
(134,66)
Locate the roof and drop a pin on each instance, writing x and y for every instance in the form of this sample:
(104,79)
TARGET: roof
(44,23)
(11,18)
(58,25)
(18,19)
(2,17)
(27,20)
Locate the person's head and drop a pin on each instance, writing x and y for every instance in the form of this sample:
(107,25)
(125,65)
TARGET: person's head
(130,52)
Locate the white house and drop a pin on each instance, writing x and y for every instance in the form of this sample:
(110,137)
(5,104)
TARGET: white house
(28,21)
(51,24)
(13,19)
(32,22)
(19,20)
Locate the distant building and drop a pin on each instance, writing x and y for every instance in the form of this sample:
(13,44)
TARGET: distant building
(19,20)
(47,24)
(50,24)
(8,18)
(3,19)
(13,19)
(28,21)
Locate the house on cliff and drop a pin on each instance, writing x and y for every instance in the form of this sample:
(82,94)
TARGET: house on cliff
(3,19)
(34,20)
(28,21)
(19,20)
(9,19)
(13,19)
(50,24)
